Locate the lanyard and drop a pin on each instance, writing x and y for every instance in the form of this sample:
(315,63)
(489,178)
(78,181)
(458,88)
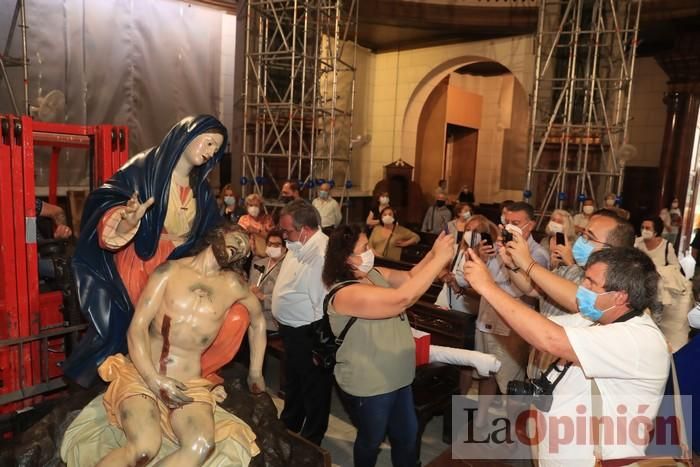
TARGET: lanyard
(267,272)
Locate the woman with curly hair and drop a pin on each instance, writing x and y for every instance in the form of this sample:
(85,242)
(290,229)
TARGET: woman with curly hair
(376,361)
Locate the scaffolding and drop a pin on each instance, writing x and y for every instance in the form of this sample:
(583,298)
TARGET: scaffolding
(584,65)
(298,93)
(6,60)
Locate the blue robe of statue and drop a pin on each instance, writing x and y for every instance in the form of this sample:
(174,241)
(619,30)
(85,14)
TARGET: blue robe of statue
(103,298)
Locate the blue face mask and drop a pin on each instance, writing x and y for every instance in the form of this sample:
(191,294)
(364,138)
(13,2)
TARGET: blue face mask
(582,250)
(586,303)
(323,194)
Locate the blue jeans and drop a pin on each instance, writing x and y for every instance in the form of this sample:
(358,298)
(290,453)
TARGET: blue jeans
(374,417)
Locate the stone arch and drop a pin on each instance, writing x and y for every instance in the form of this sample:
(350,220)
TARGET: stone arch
(513,53)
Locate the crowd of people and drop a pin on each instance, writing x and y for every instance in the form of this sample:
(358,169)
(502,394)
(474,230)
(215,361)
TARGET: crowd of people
(588,309)
(589,280)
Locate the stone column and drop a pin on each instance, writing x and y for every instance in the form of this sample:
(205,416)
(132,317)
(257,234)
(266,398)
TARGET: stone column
(676,105)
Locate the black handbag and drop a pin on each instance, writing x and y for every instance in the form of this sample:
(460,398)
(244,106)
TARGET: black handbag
(325,344)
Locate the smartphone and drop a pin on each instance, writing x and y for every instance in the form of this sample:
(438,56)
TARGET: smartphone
(487,238)
(560,238)
(475,240)
(507,236)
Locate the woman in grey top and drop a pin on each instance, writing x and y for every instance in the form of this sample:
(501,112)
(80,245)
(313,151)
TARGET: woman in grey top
(376,361)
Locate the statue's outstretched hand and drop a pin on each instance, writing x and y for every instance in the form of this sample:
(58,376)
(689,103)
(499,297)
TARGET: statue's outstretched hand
(134,210)
(256,384)
(170,391)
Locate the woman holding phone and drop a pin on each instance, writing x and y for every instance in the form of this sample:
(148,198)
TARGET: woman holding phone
(376,361)
(560,230)
(478,232)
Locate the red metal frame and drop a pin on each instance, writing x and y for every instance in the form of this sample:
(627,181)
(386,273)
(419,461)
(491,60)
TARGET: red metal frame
(32,328)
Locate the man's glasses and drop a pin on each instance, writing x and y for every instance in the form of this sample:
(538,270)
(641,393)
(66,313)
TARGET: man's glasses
(586,236)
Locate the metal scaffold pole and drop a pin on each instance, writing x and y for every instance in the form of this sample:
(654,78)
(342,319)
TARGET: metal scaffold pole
(298,93)
(6,60)
(584,65)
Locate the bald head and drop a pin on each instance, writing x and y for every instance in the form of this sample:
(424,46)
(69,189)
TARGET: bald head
(610,230)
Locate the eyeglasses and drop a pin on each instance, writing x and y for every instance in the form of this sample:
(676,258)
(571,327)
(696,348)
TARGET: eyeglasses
(586,236)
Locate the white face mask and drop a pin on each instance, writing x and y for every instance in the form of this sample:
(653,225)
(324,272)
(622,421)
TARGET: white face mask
(514,228)
(503,219)
(294,246)
(383,200)
(367,261)
(466,215)
(253,211)
(273,252)
(588,210)
(647,234)
(388,220)
(554,227)
(694,316)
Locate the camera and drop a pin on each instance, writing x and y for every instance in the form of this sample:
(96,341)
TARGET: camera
(507,236)
(539,390)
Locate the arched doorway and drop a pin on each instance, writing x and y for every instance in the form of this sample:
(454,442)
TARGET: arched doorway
(472,129)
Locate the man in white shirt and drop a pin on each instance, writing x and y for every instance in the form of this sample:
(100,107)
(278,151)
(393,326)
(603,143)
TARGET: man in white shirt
(297,302)
(327,208)
(625,354)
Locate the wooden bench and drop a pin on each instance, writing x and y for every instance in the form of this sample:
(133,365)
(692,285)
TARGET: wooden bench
(433,387)
(433,291)
(447,328)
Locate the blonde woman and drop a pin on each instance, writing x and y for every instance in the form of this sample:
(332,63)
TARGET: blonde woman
(257,223)
(561,222)
(477,231)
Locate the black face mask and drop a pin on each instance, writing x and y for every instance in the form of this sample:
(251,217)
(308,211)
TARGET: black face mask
(439,203)
(286,199)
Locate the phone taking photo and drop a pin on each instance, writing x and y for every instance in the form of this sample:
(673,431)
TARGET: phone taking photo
(507,236)
(560,239)
(486,237)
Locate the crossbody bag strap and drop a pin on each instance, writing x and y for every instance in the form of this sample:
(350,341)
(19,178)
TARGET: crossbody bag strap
(666,253)
(386,245)
(326,301)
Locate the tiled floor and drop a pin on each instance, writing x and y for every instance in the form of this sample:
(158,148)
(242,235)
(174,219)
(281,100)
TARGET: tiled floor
(341,434)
